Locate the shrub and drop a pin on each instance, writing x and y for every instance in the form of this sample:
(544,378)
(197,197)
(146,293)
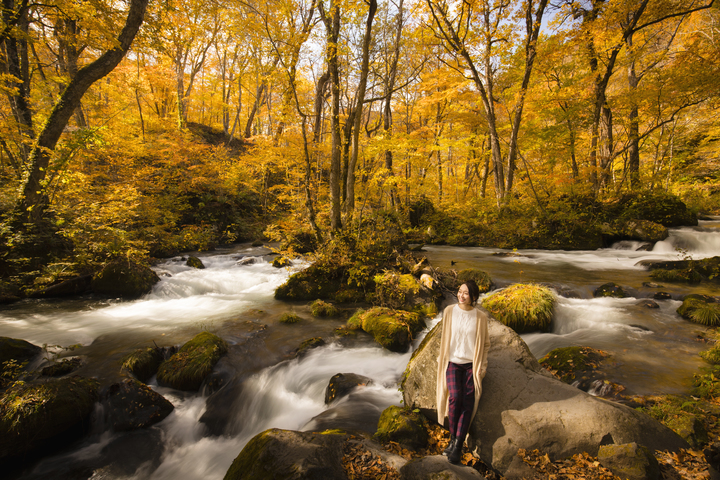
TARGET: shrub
(323,309)
(289,317)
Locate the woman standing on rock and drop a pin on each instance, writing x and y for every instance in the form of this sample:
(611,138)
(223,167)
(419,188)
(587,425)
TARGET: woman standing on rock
(462,364)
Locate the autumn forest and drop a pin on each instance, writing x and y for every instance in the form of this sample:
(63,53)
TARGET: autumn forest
(147,128)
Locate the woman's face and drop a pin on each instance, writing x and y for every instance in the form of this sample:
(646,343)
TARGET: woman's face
(463,296)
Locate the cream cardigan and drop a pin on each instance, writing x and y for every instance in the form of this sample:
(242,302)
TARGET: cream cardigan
(482,345)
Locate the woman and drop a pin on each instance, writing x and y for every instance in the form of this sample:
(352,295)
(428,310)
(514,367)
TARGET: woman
(462,364)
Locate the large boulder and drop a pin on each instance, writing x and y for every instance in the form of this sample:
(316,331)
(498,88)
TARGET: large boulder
(643,230)
(279,453)
(187,369)
(393,329)
(524,406)
(17,349)
(33,416)
(124,278)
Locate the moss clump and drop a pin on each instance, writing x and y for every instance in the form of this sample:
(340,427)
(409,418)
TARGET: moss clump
(187,369)
(684,415)
(30,415)
(522,307)
(569,362)
(404,426)
(289,317)
(194,262)
(700,309)
(393,329)
(323,309)
(143,362)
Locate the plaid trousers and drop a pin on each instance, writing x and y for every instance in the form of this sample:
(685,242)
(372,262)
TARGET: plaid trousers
(461,390)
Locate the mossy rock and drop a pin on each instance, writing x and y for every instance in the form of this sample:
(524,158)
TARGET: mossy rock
(312,283)
(125,278)
(320,308)
(286,454)
(281,262)
(643,230)
(629,461)
(522,307)
(685,275)
(659,207)
(187,369)
(452,279)
(61,368)
(194,262)
(404,426)
(143,362)
(610,289)
(17,349)
(341,384)
(393,329)
(35,415)
(130,405)
(700,309)
(289,317)
(300,241)
(570,363)
(690,428)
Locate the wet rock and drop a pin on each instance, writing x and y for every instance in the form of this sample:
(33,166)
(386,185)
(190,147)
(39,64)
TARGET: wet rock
(63,367)
(393,329)
(652,285)
(279,453)
(358,413)
(194,262)
(124,278)
(130,405)
(33,416)
(610,289)
(343,383)
(17,349)
(437,467)
(524,406)
(647,303)
(645,247)
(524,308)
(629,461)
(402,425)
(143,363)
(662,296)
(187,369)
(130,452)
(308,345)
(247,261)
(577,366)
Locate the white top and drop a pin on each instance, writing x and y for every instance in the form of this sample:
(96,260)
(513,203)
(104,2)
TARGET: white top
(462,338)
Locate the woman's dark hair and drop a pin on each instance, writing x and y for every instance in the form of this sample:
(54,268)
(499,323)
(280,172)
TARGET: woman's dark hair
(473,290)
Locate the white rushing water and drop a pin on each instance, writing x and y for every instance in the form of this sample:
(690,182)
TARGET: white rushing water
(654,349)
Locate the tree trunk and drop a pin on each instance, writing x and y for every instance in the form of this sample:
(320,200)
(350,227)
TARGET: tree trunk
(33,200)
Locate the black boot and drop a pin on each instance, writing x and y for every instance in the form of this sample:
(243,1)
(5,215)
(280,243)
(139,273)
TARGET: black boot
(456,453)
(450,446)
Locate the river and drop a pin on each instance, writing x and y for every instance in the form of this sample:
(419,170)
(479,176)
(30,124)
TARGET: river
(652,350)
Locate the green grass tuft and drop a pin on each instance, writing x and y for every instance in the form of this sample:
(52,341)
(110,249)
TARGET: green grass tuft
(289,317)
(320,308)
